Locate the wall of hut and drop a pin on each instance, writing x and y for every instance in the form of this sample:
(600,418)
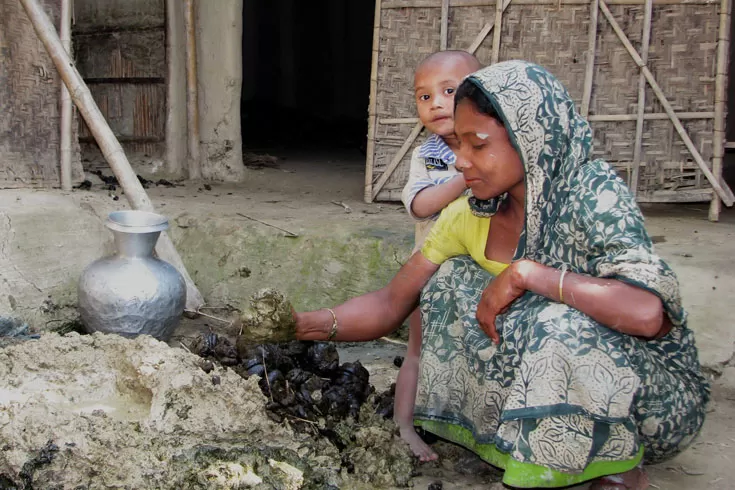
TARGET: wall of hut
(582,50)
(29,103)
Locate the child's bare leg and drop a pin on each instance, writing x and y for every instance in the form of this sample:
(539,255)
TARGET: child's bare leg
(406,385)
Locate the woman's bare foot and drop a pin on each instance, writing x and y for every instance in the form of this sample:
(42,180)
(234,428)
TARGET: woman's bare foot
(422,450)
(635,479)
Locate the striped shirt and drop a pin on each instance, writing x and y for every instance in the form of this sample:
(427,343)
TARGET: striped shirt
(431,164)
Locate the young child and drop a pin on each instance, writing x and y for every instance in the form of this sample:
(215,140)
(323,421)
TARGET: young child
(433,183)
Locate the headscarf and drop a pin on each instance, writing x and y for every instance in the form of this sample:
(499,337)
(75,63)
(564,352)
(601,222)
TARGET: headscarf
(579,214)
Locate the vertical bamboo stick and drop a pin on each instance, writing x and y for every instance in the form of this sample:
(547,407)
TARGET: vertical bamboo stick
(372,107)
(499,9)
(105,138)
(192,102)
(66,107)
(723,49)
(176,149)
(591,53)
(637,149)
(444,36)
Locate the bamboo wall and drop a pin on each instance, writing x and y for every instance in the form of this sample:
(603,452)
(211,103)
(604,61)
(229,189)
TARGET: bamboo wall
(682,57)
(29,103)
(121,54)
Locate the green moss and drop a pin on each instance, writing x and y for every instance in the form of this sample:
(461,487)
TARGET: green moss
(313,270)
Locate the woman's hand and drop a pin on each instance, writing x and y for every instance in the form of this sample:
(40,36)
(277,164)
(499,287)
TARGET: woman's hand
(371,315)
(498,296)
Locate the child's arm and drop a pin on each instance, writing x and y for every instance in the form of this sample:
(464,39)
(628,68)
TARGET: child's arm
(422,198)
(431,200)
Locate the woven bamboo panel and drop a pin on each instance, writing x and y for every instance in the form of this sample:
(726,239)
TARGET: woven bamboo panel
(29,101)
(136,54)
(127,14)
(121,53)
(681,57)
(136,114)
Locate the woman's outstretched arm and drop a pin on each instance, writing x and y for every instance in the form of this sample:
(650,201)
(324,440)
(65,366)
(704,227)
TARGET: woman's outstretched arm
(371,315)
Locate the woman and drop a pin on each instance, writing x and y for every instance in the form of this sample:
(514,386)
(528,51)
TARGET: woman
(555,345)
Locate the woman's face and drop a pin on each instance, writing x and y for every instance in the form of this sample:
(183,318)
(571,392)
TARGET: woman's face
(487,159)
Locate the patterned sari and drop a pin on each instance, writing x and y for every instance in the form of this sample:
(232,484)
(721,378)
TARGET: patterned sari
(562,399)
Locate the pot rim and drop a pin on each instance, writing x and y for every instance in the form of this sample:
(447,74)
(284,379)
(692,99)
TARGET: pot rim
(135,221)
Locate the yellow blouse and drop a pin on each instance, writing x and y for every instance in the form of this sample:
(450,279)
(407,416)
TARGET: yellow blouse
(459,232)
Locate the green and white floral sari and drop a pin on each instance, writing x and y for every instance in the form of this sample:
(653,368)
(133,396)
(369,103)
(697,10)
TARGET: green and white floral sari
(562,399)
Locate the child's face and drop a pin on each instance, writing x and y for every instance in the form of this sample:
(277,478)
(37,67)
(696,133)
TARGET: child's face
(434,87)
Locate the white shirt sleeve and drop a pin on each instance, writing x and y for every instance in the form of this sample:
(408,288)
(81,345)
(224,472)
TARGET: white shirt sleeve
(418,180)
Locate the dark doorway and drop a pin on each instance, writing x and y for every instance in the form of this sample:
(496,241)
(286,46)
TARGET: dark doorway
(306,74)
(728,165)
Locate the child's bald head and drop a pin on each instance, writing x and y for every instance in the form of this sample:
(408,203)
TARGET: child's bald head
(435,81)
(449,60)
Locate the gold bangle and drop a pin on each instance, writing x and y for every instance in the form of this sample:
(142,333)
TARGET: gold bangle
(561,285)
(333,331)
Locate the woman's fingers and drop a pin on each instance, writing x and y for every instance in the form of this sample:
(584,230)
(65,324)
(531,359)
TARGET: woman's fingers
(486,319)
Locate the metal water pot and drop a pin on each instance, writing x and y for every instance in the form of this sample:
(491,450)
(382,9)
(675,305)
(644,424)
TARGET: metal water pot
(132,292)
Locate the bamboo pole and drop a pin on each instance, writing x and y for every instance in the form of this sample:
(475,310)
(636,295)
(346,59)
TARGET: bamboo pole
(192,102)
(372,106)
(110,147)
(723,49)
(176,127)
(66,107)
(651,116)
(591,55)
(499,9)
(396,4)
(641,109)
(720,187)
(444,34)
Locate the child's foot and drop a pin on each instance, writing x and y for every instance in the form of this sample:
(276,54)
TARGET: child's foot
(635,479)
(422,450)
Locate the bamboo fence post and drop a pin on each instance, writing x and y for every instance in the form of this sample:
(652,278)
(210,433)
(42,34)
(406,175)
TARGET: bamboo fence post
(105,138)
(176,127)
(723,49)
(444,34)
(192,102)
(720,187)
(591,55)
(499,9)
(66,107)
(641,109)
(372,106)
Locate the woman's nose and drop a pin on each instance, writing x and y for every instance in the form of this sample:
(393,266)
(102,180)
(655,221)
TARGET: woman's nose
(461,164)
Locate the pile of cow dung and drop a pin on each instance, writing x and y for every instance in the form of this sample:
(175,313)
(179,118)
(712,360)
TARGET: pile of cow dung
(303,381)
(100,411)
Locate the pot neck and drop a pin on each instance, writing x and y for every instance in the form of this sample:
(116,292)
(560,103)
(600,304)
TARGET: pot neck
(135,245)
